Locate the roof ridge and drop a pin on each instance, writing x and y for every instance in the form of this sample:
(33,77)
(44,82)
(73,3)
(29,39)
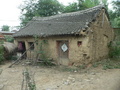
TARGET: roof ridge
(70,14)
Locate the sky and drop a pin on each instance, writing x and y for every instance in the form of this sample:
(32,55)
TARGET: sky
(10,13)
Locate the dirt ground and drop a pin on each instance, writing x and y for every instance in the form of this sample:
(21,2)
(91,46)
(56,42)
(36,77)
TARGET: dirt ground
(59,78)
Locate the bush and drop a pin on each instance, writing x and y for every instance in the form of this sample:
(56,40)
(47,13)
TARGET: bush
(28,81)
(114,51)
(9,38)
(1,54)
(43,54)
(108,64)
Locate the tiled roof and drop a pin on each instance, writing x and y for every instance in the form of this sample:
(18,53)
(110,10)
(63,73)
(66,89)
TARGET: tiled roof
(62,24)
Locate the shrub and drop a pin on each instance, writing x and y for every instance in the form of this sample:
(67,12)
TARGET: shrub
(42,53)
(1,54)
(114,51)
(28,81)
(9,38)
(108,64)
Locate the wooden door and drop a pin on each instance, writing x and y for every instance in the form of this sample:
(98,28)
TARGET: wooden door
(63,49)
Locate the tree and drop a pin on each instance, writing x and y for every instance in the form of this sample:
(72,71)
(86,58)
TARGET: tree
(84,4)
(5,28)
(48,7)
(116,7)
(32,8)
(27,11)
(43,8)
(116,13)
(72,7)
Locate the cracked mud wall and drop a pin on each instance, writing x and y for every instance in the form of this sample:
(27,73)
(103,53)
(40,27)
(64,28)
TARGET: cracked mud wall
(76,53)
(101,37)
(94,45)
(30,53)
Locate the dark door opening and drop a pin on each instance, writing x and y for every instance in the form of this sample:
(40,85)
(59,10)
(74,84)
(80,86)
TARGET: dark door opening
(22,48)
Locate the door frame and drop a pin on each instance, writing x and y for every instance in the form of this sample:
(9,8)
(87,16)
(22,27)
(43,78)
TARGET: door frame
(58,46)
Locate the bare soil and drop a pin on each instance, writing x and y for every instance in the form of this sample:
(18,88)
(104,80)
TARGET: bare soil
(60,78)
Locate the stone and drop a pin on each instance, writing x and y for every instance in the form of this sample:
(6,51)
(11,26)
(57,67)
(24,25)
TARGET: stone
(93,73)
(1,86)
(48,89)
(66,83)
(75,71)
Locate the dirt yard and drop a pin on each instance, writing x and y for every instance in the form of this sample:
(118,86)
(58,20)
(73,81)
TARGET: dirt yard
(59,78)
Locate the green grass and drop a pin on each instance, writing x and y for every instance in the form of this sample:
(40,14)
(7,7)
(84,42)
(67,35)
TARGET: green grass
(108,64)
(1,71)
(1,54)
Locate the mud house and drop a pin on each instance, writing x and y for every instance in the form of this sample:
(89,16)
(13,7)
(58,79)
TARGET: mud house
(73,38)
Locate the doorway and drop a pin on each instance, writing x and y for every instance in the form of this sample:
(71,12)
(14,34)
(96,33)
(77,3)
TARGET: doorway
(63,52)
(63,49)
(22,48)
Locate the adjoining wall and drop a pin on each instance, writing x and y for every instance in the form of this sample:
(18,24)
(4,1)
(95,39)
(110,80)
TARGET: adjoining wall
(101,37)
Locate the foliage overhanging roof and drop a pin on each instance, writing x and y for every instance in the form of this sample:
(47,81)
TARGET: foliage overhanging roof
(62,24)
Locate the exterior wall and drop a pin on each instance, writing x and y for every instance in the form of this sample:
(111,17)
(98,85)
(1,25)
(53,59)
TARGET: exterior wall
(76,54)
(94,44)
(101,35)
(30,53)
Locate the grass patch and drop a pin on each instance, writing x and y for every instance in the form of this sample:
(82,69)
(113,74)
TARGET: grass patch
(108,64)
(114,49)
(28,82)
(1,71)
(1,54)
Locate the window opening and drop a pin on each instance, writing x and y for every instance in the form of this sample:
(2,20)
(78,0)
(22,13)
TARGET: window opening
(31,45)
(79,43)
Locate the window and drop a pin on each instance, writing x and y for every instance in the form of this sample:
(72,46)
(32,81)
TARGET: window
(79,43)
(31,45)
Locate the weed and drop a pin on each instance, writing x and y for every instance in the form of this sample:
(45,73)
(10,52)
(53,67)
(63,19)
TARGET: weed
(82,66)
(108,64)
(1,54)
(69,69)
(95,64)
(1,71)
(42,53)
(114,49)
(28,81)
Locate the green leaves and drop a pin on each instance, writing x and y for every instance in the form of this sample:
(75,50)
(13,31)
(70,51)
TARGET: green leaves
(1,54)
(71,8)
(84,4)
(41,8)
(115,14)
(5,28)
(9,38)
(90,3)
(117,22)
(48,7)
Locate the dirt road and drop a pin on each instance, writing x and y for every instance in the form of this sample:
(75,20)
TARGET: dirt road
(56,79)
